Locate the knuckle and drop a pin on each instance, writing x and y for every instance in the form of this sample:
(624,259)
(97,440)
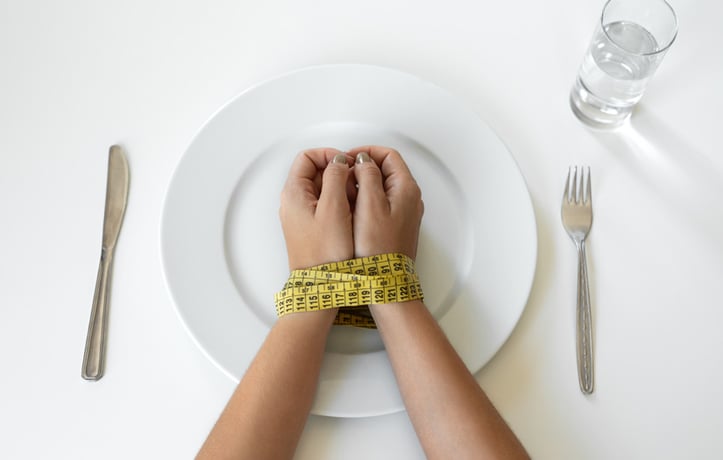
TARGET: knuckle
(285,195)
(369,170)
(395,154)
(312,150)
(394,157)
(336,172)
(387,150)
(305,153)
(336,168)
(283,213)
(411,190)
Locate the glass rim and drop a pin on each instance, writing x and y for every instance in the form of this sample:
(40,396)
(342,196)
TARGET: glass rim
(652,53)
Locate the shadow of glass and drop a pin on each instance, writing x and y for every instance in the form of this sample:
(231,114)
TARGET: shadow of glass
(673,169)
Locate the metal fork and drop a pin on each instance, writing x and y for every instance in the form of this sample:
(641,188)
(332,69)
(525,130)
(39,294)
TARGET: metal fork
(577,220)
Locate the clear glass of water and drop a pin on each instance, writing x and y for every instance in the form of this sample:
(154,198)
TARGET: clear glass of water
(628,45)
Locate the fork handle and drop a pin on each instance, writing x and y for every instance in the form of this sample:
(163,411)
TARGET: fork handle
(584,324)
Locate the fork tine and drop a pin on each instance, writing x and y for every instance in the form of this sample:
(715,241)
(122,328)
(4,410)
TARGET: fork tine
(574,187)
(588,188)
(566,194)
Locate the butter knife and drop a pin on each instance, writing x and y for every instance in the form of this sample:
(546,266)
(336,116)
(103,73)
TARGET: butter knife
(116,197)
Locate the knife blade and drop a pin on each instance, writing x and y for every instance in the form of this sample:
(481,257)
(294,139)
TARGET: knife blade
(116,198)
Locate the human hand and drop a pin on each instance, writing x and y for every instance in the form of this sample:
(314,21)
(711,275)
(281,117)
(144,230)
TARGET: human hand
(388,207)
(315,213)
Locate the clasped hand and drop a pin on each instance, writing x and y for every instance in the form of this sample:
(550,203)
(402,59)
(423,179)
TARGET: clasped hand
(336,206)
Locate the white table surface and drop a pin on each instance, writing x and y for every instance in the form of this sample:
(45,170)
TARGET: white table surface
(77,76)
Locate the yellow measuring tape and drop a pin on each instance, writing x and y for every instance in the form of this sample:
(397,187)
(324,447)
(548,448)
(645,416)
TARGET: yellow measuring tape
(350,285)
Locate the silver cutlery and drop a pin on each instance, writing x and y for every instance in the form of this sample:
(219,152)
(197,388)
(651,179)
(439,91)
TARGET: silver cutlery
(116,197)
(577,220)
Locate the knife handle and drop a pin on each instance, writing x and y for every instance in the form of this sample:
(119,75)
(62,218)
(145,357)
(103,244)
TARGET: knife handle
(94,356)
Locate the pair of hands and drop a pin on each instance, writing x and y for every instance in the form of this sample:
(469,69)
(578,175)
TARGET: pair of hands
(336,206)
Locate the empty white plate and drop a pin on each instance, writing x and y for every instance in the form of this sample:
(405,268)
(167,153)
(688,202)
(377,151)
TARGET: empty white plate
(224,255)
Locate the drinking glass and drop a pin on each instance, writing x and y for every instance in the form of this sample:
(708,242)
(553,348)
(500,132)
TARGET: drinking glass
(627,47)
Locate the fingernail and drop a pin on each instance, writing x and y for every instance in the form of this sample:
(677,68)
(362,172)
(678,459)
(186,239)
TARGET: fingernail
(341,159)
(362,157)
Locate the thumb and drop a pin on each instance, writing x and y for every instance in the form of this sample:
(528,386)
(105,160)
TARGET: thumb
(371,183)
(333,196)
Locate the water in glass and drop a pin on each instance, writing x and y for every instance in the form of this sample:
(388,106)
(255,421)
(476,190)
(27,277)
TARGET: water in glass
(613,75)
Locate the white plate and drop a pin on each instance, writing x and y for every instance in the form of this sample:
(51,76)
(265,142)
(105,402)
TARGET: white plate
(223,251)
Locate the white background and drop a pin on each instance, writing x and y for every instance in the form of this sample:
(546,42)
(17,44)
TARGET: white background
(77,76)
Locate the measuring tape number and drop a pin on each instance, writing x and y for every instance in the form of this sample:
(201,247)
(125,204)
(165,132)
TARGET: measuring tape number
(350,285)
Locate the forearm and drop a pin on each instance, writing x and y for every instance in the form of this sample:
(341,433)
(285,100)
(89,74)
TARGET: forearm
(450,412)
(268,410)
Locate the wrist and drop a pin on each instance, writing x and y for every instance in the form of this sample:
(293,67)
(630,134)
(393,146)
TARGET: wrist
(397,308)
(364,252)
(313,258)
(315,319)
